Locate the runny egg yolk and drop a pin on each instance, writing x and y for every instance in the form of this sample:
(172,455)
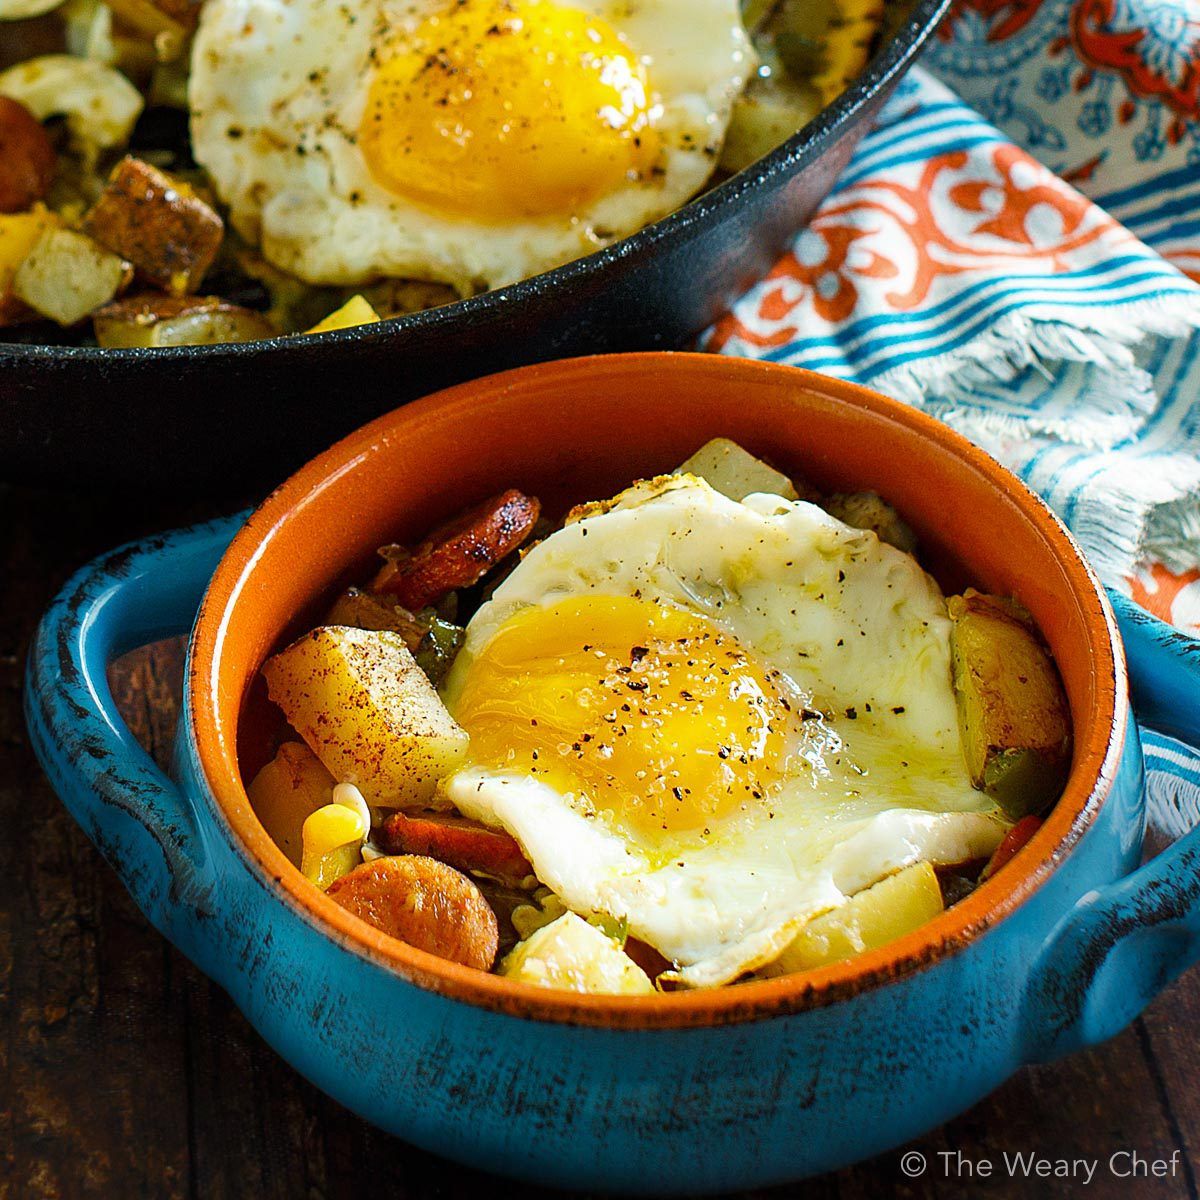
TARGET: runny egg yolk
(496,109)
(652,716)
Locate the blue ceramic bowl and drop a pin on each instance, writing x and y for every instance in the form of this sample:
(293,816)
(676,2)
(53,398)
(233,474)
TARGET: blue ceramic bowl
(690,1092)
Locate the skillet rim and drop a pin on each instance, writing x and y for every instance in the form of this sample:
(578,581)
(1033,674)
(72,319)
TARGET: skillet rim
(799,151)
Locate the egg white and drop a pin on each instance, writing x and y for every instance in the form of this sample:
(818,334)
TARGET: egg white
(855,624)
(278,89)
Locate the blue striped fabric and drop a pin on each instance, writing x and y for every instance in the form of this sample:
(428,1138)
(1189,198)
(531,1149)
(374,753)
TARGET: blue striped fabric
(1172,784)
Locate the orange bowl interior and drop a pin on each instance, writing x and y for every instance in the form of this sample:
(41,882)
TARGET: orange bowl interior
(583,429)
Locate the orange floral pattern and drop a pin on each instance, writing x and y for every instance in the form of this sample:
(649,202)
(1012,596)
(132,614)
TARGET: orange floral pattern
(1002,18)
(960,214)
(1106,92)
(1174,598)
(1104,43)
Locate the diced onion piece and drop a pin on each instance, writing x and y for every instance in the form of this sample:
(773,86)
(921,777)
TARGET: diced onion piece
(735,472)
(100,105)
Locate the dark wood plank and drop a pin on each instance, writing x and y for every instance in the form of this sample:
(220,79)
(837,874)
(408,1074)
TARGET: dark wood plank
(91,1058)
(1170,1039)
(124,1072)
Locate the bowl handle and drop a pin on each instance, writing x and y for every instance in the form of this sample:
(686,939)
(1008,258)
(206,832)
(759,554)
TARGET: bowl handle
(1120,945)
(141,821)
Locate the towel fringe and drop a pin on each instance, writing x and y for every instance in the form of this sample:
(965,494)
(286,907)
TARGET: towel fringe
(1137,508)
(1018,343)
(1172,535)
(1172,803)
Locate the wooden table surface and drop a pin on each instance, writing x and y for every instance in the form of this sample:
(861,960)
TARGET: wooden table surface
(125,1073)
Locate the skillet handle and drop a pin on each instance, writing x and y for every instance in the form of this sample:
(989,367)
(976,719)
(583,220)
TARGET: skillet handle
(142,823)
(1120,945)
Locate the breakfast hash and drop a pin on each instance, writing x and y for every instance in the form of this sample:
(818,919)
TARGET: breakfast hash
(185,172)
(719,727)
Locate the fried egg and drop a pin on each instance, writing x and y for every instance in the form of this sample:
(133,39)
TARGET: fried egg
(470,142)
(715,720)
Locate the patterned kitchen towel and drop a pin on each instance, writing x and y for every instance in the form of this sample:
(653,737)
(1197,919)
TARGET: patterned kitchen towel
(1015,248)
(1105,92)
(953,270)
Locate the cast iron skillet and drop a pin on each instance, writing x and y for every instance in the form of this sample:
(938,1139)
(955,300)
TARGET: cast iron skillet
(221,419)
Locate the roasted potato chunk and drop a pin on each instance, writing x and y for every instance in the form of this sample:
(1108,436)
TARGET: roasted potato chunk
(425,903)
(460,843)
(291,787)
(368,712)
(399,297)
(462,551)
(154,320)
(865,510)
(1013,715)
(577,957)
(169,234)
(66,276)
(764,117)
(869,919)
(26,157)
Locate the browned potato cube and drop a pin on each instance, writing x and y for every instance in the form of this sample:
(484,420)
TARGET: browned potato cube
(1013,714)
(169,234)
(865,510)
(735,472)
(369,713)
(871,918)
(153,320)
